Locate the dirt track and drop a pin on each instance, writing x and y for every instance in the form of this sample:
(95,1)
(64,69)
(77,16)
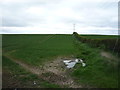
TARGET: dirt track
(53,72)
(111,58)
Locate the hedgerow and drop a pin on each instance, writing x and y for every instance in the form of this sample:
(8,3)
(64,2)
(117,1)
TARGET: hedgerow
(107,44)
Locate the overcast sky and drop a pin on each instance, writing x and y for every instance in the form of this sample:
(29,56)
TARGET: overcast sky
(58,16)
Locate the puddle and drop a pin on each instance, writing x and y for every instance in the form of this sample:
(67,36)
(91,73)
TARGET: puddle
(72,63)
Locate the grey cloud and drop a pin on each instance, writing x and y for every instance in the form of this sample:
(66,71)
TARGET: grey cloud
(10,22)
(71,20)
(14,14)
(9,31)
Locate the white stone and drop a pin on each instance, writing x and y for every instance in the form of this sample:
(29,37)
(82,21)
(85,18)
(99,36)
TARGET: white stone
(83,64)
(81,60)
(34,83)
(76,60)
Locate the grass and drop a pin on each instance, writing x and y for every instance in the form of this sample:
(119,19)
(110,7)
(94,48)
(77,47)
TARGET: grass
(24,77)
(36,49)
(98,72)
(101,36)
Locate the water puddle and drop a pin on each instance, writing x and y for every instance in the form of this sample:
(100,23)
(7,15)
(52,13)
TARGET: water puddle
(72,63)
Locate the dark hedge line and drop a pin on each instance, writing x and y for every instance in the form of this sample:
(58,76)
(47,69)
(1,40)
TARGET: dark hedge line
(108,44)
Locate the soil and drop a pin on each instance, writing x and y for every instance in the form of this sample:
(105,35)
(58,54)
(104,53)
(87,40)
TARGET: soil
(9,81)
(52,71)
(109,56)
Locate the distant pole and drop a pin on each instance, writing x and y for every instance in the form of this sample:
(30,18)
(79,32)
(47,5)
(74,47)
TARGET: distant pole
(73,27)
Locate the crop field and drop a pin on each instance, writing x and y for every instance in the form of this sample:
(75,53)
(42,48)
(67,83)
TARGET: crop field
(101,36)
(34,49)
(35,61)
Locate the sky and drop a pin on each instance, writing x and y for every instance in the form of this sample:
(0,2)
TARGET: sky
(58,16)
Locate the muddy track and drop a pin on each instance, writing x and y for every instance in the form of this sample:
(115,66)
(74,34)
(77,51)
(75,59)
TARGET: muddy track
(109,56)
(53,72)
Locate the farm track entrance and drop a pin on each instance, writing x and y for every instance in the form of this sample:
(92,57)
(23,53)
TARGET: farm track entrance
(53,72)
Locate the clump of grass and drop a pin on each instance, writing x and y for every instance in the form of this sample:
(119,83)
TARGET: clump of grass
(98,72)
(49,85)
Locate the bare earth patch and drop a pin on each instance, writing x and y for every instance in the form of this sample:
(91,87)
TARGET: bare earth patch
(52,71)
(108,55)
(111,58)
(58,73)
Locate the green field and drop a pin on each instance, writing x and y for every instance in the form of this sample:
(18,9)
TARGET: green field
(102,36)
(36,50)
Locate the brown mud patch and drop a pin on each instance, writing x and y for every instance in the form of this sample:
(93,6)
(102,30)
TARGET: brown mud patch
(52,71)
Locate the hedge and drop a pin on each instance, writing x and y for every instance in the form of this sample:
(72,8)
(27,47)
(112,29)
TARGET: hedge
(108,44)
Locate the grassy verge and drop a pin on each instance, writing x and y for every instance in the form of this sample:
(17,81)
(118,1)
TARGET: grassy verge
(99,72)
(14,76)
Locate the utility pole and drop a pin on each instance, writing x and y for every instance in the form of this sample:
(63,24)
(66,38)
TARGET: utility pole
(73,27)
